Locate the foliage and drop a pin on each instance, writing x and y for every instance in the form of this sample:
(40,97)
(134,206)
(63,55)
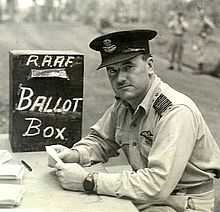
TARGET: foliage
(123,11)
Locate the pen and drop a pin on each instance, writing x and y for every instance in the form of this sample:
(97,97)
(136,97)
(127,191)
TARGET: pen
(28,167)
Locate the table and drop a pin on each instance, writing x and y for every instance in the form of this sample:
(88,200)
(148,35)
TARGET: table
(43,192)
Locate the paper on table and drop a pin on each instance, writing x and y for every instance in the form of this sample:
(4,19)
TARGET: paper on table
(11,171)
(53,154)
(24,210)
(11,195)
(5,156)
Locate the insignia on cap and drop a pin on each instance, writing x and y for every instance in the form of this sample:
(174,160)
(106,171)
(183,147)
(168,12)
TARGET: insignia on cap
(161,104)
(108,46)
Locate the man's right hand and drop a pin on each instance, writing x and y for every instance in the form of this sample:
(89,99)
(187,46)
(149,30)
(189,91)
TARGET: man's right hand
(65,154)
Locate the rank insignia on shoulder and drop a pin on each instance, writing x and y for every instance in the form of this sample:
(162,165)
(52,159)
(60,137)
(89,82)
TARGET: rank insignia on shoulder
(161,104)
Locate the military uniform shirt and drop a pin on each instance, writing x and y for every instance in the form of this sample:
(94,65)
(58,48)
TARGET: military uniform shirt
(178,28)
(166,141)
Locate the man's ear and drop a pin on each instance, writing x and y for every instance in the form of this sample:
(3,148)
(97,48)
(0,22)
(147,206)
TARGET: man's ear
(150,64)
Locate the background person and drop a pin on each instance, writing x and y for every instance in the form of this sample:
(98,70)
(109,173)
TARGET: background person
(178,26)
(206,27)
(167,142)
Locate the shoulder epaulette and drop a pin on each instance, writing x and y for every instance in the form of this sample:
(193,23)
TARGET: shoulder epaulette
(161,104)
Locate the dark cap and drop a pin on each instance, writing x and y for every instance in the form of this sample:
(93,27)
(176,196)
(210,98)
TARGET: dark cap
(122,45)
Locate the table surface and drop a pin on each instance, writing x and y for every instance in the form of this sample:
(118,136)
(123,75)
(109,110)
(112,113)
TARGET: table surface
(43,192)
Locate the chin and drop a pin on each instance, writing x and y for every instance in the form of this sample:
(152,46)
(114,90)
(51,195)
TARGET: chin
(126,97)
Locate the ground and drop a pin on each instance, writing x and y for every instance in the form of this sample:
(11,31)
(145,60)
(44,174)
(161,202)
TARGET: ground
(204,89)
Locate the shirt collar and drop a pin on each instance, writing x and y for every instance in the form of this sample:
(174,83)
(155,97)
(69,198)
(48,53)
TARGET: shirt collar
(151,94)
(147,101)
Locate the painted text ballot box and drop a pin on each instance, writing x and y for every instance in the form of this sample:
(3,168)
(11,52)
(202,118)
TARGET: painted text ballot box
(46,99)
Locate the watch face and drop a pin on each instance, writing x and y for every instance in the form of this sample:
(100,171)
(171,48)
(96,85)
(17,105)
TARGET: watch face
(88,183)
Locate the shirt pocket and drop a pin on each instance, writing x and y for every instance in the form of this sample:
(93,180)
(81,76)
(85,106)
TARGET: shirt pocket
(122,139)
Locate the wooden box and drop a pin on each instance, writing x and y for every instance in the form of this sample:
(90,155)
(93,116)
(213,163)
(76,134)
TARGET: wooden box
(46,98)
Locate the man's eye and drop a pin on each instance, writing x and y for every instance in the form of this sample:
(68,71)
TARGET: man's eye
(112,71)
(129,67)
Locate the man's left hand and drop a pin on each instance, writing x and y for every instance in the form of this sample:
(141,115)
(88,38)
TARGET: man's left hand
(71,176)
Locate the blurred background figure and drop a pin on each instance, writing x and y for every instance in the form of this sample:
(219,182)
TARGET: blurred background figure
(104,23)
(0,11)
(205,28)
(178,27)
(11,7)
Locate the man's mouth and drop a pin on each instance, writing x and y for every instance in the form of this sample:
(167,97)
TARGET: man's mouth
(123,87)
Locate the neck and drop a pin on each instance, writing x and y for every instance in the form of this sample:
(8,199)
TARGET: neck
(135,102)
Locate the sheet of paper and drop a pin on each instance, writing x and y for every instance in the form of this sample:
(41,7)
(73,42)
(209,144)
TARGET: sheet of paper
(5,156)
(11,171)
(24,210)
(53,154)
(11,195)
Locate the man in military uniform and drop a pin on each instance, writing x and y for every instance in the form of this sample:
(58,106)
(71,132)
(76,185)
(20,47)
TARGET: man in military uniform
(206,27)
(178,26)
(170,148)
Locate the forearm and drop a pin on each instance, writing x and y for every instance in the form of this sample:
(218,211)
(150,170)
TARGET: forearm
(99,145)
(93,149)
(143,186)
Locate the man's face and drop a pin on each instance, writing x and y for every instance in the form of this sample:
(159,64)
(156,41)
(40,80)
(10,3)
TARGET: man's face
(131,79)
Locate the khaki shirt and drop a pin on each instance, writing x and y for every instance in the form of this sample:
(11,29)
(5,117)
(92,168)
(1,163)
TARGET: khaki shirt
(166,140)
(178,28)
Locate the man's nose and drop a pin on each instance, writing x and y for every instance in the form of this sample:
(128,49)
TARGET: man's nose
(122,76)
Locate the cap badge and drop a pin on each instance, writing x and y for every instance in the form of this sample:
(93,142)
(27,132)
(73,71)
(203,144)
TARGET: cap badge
(108,46)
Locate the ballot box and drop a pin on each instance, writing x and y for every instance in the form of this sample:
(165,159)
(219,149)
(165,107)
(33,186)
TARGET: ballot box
(46,98)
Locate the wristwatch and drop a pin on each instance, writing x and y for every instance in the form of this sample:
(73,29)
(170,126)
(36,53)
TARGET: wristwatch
(89,183)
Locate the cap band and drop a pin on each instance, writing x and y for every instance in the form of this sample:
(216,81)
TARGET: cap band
(133,50)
